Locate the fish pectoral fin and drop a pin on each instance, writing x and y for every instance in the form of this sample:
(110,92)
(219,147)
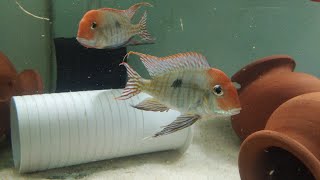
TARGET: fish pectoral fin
(151,104)
(181,122)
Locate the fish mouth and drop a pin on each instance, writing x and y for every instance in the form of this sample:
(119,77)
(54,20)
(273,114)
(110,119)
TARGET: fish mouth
(234,111)
(229,112)
(86,43)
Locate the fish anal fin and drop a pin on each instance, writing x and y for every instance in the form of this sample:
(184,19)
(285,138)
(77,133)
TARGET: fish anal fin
(180,123)
(151,104)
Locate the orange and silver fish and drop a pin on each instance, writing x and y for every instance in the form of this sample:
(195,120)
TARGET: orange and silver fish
(184,82)
(108,28)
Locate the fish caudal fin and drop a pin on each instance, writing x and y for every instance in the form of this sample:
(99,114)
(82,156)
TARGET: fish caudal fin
(134,83)
(132,10)
(143,32)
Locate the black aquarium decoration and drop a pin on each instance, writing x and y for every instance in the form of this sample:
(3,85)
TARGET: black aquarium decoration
(80,68)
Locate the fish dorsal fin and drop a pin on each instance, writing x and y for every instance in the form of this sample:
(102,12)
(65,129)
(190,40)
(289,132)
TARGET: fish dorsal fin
(182,61)
(128,12)
(132,10)
(113,10)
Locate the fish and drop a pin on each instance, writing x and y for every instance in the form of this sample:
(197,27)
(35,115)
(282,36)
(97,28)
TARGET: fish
(108,28)
(184,82)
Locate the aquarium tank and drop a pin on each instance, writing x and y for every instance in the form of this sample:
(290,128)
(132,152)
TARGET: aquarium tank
(237,83)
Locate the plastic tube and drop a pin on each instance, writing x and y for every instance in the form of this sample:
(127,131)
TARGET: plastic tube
(63,129)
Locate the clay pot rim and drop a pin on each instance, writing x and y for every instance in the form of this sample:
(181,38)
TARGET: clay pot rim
(276,139)
(37,79)
(265,61)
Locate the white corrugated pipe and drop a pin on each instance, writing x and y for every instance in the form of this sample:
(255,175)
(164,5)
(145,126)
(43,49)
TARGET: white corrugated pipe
(62,129)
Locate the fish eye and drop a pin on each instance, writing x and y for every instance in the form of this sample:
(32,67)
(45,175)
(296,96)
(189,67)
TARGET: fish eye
(217,90)
(93,25)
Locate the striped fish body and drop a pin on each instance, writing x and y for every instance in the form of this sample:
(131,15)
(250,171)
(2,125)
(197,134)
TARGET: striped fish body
(112,28)
(182,90)
(184,82)
(117,29)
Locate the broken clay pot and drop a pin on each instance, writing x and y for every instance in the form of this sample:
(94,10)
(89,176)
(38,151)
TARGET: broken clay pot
(265,85)
(289,146)
(14,84)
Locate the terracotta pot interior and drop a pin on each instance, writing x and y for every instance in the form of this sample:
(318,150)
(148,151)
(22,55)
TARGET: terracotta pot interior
(275,163)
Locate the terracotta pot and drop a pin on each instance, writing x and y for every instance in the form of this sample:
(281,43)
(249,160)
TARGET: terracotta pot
(28,82)
(14,84)
(265,85)
(289,147)
(7,74)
